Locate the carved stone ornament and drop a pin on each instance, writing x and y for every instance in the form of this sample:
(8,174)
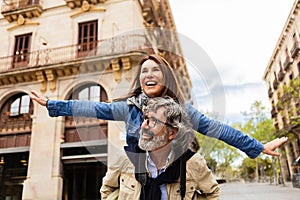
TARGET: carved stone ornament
(85,6)
(21,20)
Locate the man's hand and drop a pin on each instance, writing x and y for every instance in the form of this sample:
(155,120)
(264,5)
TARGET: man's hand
(270,147)
(42,100)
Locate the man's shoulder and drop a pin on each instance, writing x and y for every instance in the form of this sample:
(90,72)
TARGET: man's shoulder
(195,162)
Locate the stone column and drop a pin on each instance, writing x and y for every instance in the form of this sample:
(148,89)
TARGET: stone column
(44,180)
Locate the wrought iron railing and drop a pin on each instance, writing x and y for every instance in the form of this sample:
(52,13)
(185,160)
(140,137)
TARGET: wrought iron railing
(112,46)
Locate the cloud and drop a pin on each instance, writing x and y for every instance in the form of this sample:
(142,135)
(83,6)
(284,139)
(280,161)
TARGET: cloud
(237,38)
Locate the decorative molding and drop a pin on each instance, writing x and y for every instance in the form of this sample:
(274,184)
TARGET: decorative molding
(51,77)
(127,67)
(42,79)
(117,70)
(22,22)
(86,7)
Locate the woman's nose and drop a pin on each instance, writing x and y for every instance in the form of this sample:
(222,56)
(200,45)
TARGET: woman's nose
(149,73)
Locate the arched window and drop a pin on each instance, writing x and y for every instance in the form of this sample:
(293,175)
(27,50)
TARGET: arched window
(20,105)
(90,92)
(82,128)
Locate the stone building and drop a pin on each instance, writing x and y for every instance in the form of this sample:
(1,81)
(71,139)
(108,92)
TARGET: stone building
(71,49)
(282,77)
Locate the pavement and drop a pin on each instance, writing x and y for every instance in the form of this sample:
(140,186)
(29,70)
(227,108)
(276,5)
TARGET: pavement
(258,191)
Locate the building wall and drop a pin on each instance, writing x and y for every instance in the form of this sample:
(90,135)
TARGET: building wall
(283,68)
(54,72)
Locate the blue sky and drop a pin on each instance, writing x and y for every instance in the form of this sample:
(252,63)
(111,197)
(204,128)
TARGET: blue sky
(239,37)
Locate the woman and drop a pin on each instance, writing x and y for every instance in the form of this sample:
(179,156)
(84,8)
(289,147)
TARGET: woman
(155,78)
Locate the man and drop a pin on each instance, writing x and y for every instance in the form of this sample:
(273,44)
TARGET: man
(168,169)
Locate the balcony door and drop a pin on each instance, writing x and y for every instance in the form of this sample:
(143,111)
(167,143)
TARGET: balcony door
(22,50)
(87,38)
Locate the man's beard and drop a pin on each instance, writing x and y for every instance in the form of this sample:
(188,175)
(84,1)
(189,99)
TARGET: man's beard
(154,143)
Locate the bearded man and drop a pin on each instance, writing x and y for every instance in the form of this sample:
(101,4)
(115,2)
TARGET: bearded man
(163,166)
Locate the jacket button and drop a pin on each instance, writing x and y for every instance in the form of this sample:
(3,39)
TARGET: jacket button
(122,180)
(177,191)
(132,186)
(192,188)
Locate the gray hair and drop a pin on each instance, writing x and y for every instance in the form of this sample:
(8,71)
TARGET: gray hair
(178,118)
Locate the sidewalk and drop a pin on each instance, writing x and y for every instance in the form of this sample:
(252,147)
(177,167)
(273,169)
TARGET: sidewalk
(258,191)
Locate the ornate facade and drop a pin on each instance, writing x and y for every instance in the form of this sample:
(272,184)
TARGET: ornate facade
(71,49)
(282,77)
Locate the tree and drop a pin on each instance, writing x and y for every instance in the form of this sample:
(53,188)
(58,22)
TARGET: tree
(260,126)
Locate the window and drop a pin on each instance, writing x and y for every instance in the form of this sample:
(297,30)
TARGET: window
(91,93)
(87,38)
(292,76)
(20,106)
(22,50)
(86,129)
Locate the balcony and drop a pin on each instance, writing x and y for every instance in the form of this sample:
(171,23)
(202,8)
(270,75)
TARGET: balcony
(281,75)
(270,92)
(274,112)
(79,3)
(295,124)
(25,8)
(295,49)
(287,63)
(275,84)
(279,107)
(69,55)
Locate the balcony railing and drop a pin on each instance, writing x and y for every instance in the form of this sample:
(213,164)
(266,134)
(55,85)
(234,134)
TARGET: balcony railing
(113,46)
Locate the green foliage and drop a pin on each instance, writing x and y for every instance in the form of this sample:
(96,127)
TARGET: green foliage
(219,155)
(260,126)
(222,157)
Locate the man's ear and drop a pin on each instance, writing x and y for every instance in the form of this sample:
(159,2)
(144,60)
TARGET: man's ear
(172,134)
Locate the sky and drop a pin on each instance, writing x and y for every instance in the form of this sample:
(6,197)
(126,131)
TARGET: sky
(238,38)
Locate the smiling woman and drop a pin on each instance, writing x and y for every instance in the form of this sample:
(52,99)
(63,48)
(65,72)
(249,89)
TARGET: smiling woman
(151,78)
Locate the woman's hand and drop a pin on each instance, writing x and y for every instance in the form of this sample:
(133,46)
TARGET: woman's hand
(270,147)
(42,100)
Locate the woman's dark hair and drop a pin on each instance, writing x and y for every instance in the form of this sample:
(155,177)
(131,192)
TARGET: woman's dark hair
(171,86)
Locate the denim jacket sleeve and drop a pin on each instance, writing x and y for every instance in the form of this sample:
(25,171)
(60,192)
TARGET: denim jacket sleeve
(117,111)
(220,131)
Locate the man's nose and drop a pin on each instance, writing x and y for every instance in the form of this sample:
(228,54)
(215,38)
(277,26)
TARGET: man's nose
(144,124)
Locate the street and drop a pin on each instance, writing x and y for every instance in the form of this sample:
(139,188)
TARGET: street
(258,191)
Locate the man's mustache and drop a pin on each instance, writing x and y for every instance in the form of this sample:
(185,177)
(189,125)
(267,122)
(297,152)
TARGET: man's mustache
(148,132)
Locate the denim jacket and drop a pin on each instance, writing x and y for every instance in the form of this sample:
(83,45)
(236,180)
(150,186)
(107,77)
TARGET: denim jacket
(133,117)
